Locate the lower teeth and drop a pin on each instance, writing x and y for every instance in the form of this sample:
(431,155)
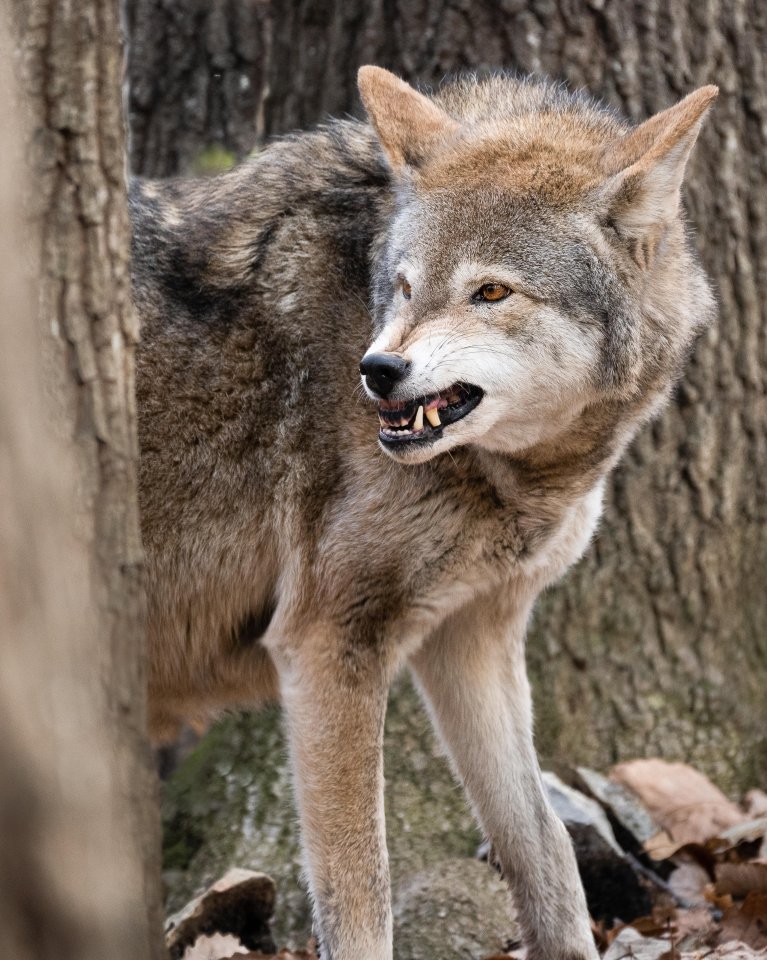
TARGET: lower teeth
(416,425)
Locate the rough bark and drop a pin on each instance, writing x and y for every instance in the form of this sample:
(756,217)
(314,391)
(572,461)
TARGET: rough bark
(657,642)
(196,82)
(79,873)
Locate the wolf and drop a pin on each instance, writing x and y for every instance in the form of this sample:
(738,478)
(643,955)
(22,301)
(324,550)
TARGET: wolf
(384,371)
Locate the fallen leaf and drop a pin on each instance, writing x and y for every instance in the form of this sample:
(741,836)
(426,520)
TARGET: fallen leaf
(684,803)
(662,846)
(747,832)
(631,945)
(215,947)
(723,902)
(695,929)
(659,923)
(747,922)
(756,803)
(740,879)
(743,843)
(284,954)
(734,950)
(600,934)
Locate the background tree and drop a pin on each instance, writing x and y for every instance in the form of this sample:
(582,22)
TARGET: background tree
(79,874)
(657,642)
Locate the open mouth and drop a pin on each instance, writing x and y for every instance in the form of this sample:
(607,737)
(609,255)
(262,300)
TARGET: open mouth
(425,418)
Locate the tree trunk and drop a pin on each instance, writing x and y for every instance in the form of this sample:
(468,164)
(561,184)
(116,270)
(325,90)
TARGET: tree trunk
(657,642)
(79,836)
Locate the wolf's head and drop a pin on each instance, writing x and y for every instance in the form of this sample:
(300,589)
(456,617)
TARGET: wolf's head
(536,266)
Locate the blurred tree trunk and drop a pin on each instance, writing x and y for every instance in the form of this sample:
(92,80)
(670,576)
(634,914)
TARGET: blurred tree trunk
(657,642)
(79,826)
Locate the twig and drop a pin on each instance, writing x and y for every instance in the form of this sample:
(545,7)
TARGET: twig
(659,882)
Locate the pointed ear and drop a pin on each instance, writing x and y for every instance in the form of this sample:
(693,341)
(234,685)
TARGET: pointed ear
(408,124)
(648,164)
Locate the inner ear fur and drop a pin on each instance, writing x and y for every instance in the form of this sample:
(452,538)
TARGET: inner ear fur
(408,124)
(646,166)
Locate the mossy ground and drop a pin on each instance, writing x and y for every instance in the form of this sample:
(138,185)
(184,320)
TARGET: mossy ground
(230,804)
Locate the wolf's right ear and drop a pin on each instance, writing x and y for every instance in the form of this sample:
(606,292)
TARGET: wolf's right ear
(408,124)
(647,165)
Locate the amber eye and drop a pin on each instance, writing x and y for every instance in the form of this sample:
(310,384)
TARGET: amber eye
(490,292)
(407,290)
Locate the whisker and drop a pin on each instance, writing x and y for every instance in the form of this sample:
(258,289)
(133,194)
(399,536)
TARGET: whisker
(358,393)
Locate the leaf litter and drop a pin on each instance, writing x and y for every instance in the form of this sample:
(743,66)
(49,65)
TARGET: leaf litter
(713,905)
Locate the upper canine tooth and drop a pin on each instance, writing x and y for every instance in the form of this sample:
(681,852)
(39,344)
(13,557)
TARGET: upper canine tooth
(433,417)
(418,422)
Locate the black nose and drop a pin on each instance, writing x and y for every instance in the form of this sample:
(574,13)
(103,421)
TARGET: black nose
(382,371)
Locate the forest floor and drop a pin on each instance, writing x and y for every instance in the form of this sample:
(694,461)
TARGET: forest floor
(698,861)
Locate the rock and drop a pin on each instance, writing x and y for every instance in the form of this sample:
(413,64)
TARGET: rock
(574,807)
(230,804)
(457,909)
(613,890)
(427,817)
(631,821)
(239,906)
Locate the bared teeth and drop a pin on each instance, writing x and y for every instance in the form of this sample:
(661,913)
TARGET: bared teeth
(398,420)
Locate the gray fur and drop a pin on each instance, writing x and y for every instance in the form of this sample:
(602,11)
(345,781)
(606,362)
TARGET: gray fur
(288,555)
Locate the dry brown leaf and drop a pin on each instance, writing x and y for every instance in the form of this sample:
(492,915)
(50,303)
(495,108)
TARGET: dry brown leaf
(691,929)
(600,933)
(660,923)
(662,846)
(685,804)
(740,879)
(723,902)
(747,922)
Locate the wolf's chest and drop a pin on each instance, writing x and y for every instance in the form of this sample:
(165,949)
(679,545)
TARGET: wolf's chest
(437,557)
(510,546)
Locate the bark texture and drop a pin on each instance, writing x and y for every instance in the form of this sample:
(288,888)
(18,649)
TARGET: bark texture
(79,826)
(657,642)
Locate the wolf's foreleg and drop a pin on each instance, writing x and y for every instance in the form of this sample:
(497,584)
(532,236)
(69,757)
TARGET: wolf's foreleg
(474,679)
(335,701)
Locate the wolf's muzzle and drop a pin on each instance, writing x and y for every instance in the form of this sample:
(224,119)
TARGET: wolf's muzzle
(383,371)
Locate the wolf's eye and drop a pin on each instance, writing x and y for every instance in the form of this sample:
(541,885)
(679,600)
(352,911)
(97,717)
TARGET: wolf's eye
(407,290)
(490,292)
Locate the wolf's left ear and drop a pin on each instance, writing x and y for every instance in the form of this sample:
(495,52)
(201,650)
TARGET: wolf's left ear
(408,124)
(647,165)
